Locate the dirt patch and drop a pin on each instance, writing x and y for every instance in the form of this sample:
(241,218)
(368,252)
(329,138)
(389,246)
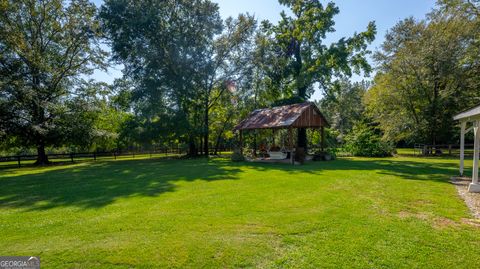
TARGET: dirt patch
(471,199)
(472,222)
(439,222)
(406,214)
(421,202)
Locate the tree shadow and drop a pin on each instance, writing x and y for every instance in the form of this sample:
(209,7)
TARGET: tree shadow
(410,170)
(99,184)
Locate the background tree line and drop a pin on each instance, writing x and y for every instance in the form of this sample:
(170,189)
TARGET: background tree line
(189,75)
(427,71)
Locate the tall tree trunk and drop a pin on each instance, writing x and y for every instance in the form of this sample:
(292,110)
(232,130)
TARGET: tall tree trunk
(217,143)
(206,122)
(434,113)
(42,157)
(219,136)
(301,92)
(302,132)
(206,132)
(39,118)
(192,149)
(255,131)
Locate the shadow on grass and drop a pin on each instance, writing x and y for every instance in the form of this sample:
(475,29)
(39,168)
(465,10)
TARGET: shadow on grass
(410,170)
(423,169)
(99,184)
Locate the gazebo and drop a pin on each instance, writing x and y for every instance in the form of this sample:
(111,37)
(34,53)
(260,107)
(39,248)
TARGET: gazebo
(295,116)
(470,116)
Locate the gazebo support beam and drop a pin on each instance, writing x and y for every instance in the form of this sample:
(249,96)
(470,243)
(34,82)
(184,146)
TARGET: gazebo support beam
(255,143)
(290,141)
(241,142)
(474,186)
(322,135)
(273,137)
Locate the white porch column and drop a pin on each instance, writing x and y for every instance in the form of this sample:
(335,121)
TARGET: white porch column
(474,186)
(463,126)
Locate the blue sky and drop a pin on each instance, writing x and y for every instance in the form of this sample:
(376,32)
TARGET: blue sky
(354,17)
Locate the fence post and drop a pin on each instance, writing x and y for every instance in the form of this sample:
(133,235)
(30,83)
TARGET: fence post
(133,155)
(71,157)
(114,155)
(449,149)
(94,156)
(18,159)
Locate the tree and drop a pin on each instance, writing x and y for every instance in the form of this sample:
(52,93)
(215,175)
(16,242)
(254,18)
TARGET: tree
(300,59)
(428,72)
(163,46)
(45,48)
(181,58)
(223,116)
(97,115)
(342,104)
(227,65)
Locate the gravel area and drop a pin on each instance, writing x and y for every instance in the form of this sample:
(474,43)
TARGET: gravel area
(471,199)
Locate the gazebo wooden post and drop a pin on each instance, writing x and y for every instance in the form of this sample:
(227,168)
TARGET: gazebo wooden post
(255,143)
(290,141)
(241,142)
(322,134)
(273,138)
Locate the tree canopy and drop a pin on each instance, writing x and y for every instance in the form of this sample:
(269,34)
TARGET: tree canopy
(428,72)
(45,48)
(300,60)
(182,71)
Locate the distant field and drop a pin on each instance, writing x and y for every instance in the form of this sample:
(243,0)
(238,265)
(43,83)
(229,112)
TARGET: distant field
(149,213)
(413,152)
(88,159)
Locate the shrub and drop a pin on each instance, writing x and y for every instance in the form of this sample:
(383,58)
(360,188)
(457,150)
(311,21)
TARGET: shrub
(365,141)
(237,156)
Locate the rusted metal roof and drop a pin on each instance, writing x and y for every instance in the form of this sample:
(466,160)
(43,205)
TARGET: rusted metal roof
(302,115)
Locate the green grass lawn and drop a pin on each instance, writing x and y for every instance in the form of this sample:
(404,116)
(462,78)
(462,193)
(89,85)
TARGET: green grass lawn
(353,212)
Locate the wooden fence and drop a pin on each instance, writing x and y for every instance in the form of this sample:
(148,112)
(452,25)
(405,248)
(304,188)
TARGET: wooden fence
(440,149)
(96,155)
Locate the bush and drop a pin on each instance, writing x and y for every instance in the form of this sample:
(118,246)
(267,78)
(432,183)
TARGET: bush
(365,141)
(237,156)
